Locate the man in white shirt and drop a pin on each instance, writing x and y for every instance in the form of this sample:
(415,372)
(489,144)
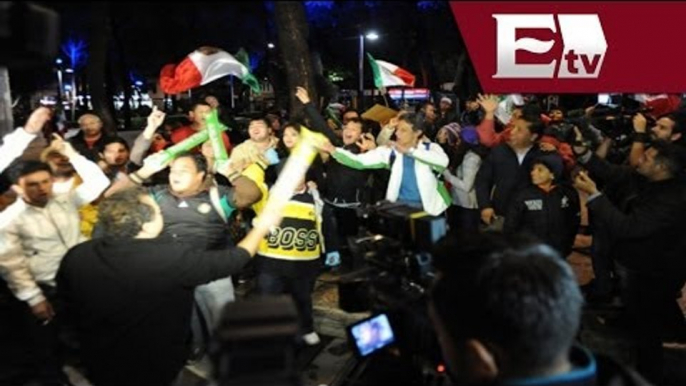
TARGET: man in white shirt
(33,244)
(13,146)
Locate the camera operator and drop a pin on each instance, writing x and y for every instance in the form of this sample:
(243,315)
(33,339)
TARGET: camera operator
(646,229)
(522,311)
(668,127)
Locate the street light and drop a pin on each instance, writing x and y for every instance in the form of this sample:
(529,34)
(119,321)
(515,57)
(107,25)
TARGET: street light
(372,36)
(270,45)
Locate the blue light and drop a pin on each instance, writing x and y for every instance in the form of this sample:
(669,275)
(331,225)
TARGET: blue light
(138,83)
(76,51)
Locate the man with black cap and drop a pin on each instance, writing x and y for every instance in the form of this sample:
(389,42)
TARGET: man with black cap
(549,209)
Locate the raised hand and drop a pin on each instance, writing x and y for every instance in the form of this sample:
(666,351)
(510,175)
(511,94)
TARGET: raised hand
(488,102)
(366,142)
(156,118)
(38,118)
(302,95)
(62,146)
(640,123)
(585,184)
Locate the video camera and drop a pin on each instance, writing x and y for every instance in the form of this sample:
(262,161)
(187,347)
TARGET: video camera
(398,272)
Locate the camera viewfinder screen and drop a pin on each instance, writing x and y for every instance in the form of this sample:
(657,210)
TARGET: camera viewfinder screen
(372,334)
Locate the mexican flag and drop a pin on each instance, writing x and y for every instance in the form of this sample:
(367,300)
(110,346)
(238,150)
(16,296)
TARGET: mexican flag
(388,74)
(203,66)
(506,105)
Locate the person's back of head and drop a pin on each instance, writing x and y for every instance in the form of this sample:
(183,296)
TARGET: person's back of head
(504,307)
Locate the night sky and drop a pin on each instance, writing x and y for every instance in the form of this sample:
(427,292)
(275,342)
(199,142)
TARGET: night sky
(145,36)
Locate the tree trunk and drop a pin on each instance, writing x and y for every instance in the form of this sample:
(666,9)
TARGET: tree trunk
(291,25)
(458,84)
(102,103)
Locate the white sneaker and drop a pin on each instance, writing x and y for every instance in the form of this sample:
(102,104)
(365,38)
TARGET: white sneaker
(311,339)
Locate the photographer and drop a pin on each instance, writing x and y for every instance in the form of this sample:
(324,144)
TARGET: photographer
(669,127)
(646,229)
(522,313)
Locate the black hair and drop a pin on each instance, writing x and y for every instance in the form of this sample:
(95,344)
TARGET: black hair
(364,128)
(679,119)
(670,156)
(25,168)
(196,103)
(122,214)
(560,108)
(198,159)
(350,111)
(416,120)
(536,125)
(262,119)
(509,291)
(280,146)
(110,140)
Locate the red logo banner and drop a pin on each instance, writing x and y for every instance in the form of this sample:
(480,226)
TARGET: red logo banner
(559,47)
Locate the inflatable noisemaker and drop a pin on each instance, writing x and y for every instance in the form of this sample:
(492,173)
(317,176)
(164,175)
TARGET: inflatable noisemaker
(331,115)
(185,145)
(214,129)
(294,171)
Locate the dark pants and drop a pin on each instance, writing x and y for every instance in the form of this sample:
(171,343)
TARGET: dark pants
(274,281)
(30,348)
(463,218)
(650,302)
(601,259)
(339,224)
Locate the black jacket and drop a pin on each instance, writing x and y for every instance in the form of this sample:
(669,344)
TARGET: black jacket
(80,145)
(343,184)
(449,117)
(501,177)
(131,302)
(551,216)
(648,231)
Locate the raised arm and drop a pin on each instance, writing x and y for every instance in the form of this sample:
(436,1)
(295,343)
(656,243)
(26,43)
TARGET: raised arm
(377,158)
(16,142)
(318,122)
(144,139)
(94,179)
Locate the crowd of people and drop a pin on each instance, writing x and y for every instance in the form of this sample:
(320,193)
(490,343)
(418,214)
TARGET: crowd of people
(136,253)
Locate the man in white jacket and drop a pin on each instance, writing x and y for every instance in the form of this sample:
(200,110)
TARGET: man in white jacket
(412,164)
(33,244)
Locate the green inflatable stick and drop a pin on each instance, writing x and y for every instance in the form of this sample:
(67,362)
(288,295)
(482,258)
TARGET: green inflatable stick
(187,144)
(215,128)
(333,116)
